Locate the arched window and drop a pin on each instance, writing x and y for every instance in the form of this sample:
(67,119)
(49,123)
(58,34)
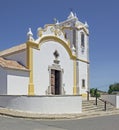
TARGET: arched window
(82,39)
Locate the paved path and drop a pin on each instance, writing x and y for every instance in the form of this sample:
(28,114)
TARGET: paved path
(101,120)
(96,123)
(21,114)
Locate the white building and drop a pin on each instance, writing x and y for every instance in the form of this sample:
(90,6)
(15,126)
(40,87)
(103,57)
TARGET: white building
(56,63)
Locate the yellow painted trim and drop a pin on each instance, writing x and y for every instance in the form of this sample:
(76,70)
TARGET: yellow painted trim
(30,67)
(63,43)
(83,61)
(68,28)
(32,44)
(84,94)
(74,91)
(47,25)
(74,78)
(40,33)
(85,30)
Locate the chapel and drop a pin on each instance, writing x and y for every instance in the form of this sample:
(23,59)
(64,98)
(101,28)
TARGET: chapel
(56,63)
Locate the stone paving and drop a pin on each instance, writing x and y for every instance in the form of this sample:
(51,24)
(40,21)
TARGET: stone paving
(21,114)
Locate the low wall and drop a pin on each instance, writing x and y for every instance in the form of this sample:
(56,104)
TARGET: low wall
(113,99)
(43,104)
(117,104)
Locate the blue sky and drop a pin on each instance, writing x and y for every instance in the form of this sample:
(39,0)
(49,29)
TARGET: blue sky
(16,16)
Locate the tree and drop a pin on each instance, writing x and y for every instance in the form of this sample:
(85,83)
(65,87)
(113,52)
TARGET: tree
(94,92)
(113,88)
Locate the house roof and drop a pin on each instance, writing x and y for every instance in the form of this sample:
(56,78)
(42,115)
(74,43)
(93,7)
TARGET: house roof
(10,64)
(14,49)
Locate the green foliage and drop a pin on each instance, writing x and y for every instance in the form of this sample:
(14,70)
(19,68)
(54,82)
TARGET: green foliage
(98,94)
(113,87)
(94,92)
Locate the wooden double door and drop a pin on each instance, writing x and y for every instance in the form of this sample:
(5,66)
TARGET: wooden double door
(55,82)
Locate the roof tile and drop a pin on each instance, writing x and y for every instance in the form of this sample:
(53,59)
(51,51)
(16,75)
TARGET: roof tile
(11,64)
(13,49)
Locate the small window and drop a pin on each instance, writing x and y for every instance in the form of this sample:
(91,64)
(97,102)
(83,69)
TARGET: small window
(82,39)
(83,83)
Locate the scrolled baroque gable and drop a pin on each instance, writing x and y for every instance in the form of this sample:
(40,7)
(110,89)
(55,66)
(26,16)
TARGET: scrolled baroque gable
(51,30)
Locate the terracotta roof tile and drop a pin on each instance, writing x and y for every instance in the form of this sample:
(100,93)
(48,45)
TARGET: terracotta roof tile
(13,49)
(11,64)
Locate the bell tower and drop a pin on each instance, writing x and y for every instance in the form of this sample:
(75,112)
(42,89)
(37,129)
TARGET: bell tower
(82,51)
(78,35)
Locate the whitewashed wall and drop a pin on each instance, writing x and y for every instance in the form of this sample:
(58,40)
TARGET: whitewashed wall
(83,55)
(44,58)
(83,74)
(69,36)
(3,81)
(43,104)
(117,99)
(113,99)
(19,56)
(17,82)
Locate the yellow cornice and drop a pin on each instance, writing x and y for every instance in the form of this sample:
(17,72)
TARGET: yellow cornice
(32,44)
(56,39)
(69,28)
(83,61)
(46,25)
(82,28)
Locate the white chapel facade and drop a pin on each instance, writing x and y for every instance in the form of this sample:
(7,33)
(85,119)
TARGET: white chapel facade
(56,63)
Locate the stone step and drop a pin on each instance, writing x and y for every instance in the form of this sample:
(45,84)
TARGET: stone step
(89,106)
(98,105)
(98,108)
